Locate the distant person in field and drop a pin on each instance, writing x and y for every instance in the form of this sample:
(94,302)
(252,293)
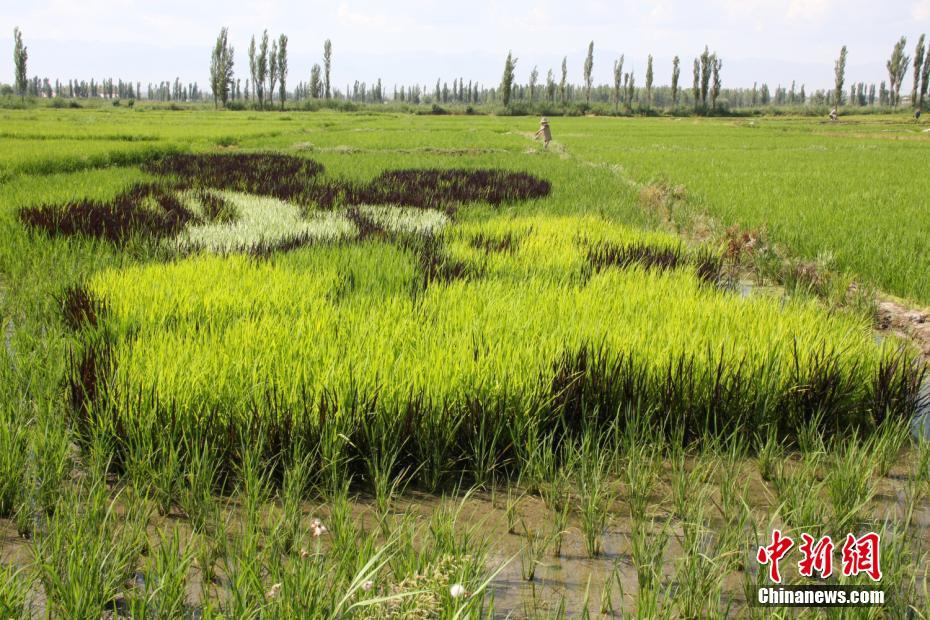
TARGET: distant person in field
(917,115)
(544,131)
(833,114)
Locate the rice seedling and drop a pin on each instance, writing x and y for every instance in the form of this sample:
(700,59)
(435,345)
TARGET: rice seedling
(642,470)
(595,496)
(163,589)
(849,483)
(769,452)
(647,550)
(14,588)
(86,551)
(532,552)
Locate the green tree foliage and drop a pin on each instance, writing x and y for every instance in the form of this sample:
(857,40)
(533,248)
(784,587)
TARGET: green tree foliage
(919,63)
(20,56)
(897,68)
(507,79)
(839,77)
(563,84)
(706,69)
(272,72)
(327,65)
(676,73)
(649,77)
(221,69)
(261,69)
(282,68)
(588,68)
(534,78)
(253,68)
(925,74)
(550,87)
(696,86)
(316,84)
(717,64)
(618,77)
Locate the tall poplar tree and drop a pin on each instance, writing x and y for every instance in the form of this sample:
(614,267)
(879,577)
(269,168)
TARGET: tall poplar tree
(588,68)
(563,84)
(534,77)
(919,62)
(839,77)
(261,69)
(20,56)
(327,65)
(282,68)
(706,69)
(717,84)
(925,74)
(221,69)
(618,77)
(507,79)
(676,72)
(649,78)
(316,86)
(897,67)
(272,72)
(696,87)
(253,70)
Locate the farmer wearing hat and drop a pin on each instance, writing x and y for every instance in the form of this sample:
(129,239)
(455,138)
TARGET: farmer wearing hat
(544,131)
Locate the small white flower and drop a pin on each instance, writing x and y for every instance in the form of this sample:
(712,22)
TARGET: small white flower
(368,585)
(457,590)
(273,592)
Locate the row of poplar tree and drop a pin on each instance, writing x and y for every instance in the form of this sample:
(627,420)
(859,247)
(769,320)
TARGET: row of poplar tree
(267,78)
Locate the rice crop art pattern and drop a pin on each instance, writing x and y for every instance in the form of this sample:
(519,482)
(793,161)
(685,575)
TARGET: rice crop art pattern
(263,202)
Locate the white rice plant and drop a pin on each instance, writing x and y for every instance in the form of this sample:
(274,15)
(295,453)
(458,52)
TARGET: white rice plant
(405,219)
(261,221)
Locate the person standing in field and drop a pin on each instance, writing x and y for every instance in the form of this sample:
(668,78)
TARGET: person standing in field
(833,114)
(917,115)
(544,131)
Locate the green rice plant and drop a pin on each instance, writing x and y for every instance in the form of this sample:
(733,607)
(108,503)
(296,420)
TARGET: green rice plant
(647,551)
(642,470)
(87,551)
(294,487)
(686,485)
(532,552)
(201,481)
(154,468)
(922,461)
(700,569)
(850,482)
(595,495)
(887,443)
(607,590)
(14,588)
(799,489)
(165,581)
(14,436)
(515,495)
(48,467)
(769,452)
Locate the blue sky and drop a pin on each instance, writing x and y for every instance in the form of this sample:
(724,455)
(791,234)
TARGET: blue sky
(417,41)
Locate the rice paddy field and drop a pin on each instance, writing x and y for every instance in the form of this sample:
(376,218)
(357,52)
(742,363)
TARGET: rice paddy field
(369,365)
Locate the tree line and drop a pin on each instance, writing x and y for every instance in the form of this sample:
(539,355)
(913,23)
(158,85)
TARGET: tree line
(267,79)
